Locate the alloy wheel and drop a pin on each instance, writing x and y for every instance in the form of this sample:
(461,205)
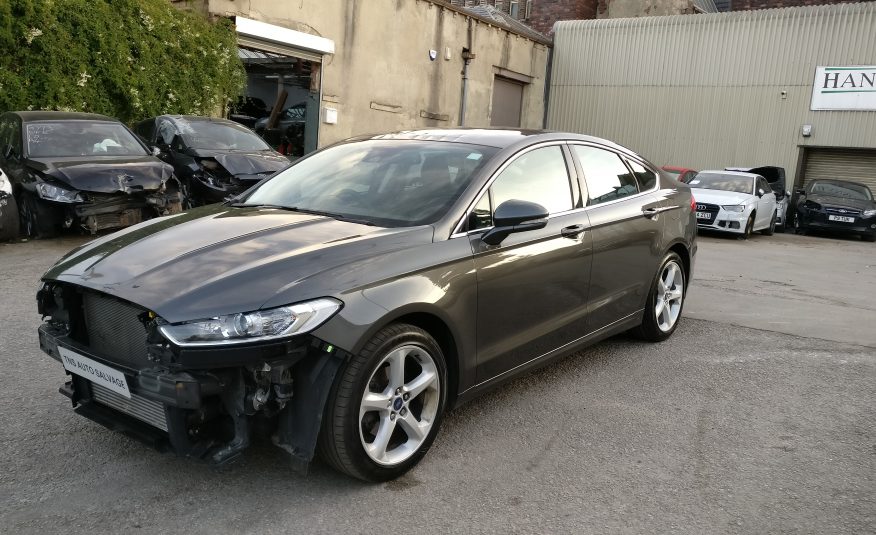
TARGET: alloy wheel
(670,293)
(399,405)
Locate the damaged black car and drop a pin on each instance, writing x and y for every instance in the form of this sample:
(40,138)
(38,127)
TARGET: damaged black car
(214,158)
(70,170)
(342,305)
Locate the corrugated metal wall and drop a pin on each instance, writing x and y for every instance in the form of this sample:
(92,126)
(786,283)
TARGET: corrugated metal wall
(705,91)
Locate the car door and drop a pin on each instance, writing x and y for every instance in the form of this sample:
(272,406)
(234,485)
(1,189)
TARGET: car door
(766,204)
(532,287)
(626,220)
(12,151)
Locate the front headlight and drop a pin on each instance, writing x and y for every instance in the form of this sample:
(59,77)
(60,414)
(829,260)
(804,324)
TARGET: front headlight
(54,193)
(734,207)
(869,213)
(280,322)
(5,185)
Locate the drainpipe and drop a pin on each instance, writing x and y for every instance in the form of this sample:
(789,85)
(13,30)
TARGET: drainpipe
(467,56)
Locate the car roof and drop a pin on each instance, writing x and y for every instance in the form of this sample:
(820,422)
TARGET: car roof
(724,172)
(195,119)
(33,116)
(674,168)
(493,137)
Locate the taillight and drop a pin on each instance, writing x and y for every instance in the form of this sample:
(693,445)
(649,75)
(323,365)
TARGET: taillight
(693,204)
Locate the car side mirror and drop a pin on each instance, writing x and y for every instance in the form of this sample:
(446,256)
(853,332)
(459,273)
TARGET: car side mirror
(761,193)
(156,150)
(515,216)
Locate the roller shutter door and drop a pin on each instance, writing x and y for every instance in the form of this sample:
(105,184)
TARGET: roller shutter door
(842,164)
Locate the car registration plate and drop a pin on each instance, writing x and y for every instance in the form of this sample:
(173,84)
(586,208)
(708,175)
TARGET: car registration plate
(94,371)
(704,215)
(844,219)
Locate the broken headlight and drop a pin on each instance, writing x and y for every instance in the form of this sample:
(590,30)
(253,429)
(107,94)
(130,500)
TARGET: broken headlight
(280,322)
(54,193)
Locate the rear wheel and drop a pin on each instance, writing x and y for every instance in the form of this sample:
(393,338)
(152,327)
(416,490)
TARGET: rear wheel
(385,408)
(770,230)
(37,218)
(665,301)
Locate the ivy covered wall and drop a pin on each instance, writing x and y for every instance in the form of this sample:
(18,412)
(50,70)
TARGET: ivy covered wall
(130,59)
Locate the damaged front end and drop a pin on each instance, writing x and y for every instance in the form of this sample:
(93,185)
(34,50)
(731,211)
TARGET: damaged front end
(204,401)
(100,211)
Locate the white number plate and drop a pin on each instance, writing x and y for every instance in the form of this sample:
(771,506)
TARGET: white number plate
(704,215)
(94,371)
(842,218)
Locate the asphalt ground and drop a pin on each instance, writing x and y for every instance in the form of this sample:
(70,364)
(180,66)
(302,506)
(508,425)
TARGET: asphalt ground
(757,416)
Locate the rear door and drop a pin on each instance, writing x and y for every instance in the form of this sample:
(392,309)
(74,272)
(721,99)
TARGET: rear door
(626,220)
(533,287)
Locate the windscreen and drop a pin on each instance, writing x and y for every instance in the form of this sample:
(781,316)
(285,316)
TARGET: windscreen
(845,190)
(80,138)
(221,136)
(384,182)
(735,183)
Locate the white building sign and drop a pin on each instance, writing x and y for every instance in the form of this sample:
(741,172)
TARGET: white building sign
(844,88)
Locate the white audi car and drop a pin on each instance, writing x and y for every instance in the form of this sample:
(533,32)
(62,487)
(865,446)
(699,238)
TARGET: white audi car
(733,201)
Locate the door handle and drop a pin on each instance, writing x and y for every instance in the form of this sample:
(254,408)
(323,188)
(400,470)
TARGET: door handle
(573,231)
(651,212)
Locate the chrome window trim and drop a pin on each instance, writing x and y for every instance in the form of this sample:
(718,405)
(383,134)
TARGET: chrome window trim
(570,143)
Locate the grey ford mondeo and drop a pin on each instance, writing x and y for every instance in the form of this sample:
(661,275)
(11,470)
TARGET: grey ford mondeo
(344,304)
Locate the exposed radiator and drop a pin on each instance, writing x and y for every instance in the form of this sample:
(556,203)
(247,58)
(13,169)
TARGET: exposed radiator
(115,331)
(146,410)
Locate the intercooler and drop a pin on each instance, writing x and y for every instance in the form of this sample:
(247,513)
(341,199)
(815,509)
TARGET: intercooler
(138,407)
(115,330)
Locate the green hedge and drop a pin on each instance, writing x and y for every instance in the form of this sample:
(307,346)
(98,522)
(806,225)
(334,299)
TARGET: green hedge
(129,59)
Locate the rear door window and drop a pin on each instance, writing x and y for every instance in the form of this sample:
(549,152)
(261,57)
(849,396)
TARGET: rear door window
(607,177)
(646,178)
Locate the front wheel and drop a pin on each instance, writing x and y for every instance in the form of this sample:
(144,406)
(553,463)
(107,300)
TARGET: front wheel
(665,301)
(38,219)
(8,218)
(770,230)
(385,407)
(749,226)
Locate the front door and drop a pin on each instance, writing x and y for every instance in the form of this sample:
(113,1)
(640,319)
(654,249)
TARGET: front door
(533,287)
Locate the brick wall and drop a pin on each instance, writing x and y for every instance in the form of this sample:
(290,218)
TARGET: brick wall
(745,5)
(546,12)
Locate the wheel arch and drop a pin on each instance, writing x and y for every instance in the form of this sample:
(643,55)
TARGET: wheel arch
(438,327)
(682,251)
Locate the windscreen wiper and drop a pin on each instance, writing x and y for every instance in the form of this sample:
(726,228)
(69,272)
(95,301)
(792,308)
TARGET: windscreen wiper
(339,217)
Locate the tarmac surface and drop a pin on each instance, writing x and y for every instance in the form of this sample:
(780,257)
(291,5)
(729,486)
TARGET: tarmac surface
(757,416)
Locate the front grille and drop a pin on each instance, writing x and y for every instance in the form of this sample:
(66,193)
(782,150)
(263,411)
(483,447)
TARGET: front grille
(843,211)
(711,209)
(146,410)
(115,331)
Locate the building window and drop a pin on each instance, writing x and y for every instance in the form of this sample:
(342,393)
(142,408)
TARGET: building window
(528,10)
(500,5)
(514,8)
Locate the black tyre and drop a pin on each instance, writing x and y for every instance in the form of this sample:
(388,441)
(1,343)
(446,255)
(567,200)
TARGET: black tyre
(386,405)
(770,230)
(38,219)
(868,237)
(8,218)
(749,225)
(665,301)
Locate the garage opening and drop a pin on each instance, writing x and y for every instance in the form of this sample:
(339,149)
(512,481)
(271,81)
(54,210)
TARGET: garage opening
(854,165)
(282,96)
(507,102)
